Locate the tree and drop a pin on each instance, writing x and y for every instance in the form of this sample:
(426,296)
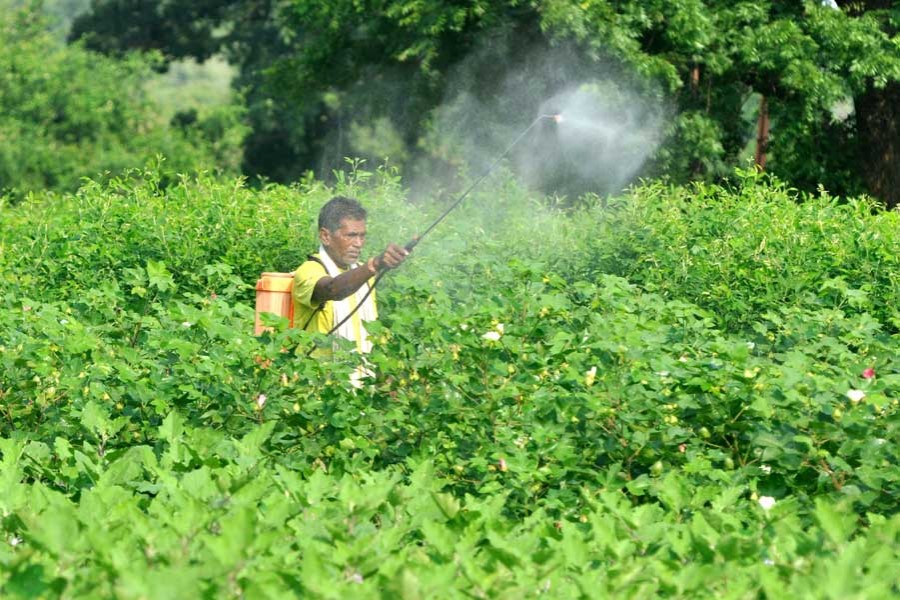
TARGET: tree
(877,104)
(68,113)
(319,71)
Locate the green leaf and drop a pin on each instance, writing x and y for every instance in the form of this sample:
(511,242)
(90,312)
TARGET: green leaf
(447,503)
(836,521)
(159,276)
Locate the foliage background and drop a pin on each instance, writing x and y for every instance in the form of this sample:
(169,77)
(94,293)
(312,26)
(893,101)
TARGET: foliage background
(368,79)
(68,113)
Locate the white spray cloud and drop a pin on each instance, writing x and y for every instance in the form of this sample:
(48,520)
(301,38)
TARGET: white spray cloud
(606,134)
(601,140)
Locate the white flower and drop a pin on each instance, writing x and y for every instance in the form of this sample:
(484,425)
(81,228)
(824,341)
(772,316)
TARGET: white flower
(751,345)
(662,373)
(768,562)
(589,376)
(355,577)
(186,324)
(499,327)
(493,336)
(855,395)
(15,541)
(767,502)
(261,401)
(765,469)
(683,358)
(464,326)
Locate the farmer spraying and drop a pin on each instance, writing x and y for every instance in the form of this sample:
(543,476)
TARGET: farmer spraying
(333,292)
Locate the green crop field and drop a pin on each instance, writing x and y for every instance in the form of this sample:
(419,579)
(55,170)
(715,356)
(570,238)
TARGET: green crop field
(683,392)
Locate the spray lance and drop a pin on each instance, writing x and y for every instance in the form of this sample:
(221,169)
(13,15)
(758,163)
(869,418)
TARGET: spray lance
(556,118)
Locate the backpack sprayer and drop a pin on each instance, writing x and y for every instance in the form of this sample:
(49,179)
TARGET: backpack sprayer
(278,282)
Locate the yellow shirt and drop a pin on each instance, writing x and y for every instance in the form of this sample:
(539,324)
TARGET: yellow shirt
(305,278)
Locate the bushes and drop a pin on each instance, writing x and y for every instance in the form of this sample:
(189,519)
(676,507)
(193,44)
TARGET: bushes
(608,434)
(745,251)
(66,113)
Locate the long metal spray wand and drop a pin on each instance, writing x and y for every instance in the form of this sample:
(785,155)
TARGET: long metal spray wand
(415,241)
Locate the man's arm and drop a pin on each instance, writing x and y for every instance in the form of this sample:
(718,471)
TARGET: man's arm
(337,288)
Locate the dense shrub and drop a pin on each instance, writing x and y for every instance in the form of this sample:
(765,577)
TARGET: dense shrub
(536,425)
(742,252)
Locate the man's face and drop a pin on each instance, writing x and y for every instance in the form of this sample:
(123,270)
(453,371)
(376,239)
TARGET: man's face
(345,244)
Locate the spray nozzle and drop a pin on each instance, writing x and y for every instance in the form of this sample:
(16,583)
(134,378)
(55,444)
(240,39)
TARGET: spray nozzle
(556,117)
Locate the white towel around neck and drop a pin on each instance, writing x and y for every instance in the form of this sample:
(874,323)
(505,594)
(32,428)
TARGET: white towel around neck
(343,307)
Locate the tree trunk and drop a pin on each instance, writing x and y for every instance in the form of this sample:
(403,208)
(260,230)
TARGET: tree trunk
(878,128)
(762,134)
(878,120)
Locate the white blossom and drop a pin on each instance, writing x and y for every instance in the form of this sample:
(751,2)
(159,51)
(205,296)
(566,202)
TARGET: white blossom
(767,502)
(855,395)
(186,324)
(355,577)
(765,469)
(589,376)
(261,401)
(493,336)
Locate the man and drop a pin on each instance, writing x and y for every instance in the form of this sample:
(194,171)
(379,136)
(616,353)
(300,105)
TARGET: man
(330,285)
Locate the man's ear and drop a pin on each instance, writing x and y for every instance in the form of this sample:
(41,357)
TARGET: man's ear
(324,236)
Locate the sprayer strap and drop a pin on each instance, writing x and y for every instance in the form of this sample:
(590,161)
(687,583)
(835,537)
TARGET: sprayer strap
(320,306)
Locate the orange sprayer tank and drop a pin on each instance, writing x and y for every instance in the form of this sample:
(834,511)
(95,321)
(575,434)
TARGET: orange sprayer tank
(273,295)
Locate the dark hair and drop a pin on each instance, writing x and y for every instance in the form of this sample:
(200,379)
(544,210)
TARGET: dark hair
(339,208)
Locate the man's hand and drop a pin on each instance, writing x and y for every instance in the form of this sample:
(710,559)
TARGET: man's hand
(337,288)
(392,257)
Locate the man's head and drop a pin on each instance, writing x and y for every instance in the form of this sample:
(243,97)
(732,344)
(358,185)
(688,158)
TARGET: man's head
(342,230)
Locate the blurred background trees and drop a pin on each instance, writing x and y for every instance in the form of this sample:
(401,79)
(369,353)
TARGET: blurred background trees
(68,113)
(809,90)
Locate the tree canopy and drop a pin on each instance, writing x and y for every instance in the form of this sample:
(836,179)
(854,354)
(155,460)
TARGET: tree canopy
(68,113)
(325,80)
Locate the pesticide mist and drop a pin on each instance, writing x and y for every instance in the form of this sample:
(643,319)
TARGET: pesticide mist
(604,136)
(598,143)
